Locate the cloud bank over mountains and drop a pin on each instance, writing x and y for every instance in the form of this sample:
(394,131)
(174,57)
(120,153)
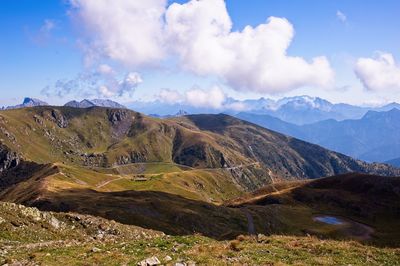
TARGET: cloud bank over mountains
(102,82)
(199,36)
(379,73)
(213,98)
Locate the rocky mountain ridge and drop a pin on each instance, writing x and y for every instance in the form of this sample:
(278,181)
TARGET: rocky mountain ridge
(95,102)
(85,103)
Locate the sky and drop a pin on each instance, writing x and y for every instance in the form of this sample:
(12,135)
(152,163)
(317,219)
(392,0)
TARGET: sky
(201,51)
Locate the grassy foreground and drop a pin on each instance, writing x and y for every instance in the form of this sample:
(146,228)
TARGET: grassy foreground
(32,237)
(272,250)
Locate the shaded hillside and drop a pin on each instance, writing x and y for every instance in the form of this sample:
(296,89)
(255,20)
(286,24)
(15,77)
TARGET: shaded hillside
(162,211)
(362,195)
(369,205)
(285,155)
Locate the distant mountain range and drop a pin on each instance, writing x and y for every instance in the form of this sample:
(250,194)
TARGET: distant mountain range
(395,162)
(178,114)
(95,102)
(31,102)
(374,137)
(297,110)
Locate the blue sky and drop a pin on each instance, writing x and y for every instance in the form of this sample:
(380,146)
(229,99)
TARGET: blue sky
(41,44)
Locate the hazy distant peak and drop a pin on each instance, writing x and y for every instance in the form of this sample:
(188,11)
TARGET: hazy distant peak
(392,113)
(181,113)
(305,101)
(107,103)
(95,102)
(28,102)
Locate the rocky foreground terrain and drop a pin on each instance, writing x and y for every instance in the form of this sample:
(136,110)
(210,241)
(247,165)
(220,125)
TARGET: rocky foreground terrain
(31,237)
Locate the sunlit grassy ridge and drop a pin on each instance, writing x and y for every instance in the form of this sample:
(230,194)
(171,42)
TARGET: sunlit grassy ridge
(102,137)
(197,184)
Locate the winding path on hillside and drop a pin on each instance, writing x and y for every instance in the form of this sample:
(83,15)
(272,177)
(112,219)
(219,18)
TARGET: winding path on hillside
(188,168)
(102,184)
(144,163)
(230,168)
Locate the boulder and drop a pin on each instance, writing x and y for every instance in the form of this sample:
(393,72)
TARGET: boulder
(167,258)
(150,262)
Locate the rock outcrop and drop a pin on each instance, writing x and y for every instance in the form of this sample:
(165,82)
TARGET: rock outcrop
(8,159)
(59,118)
(115,116)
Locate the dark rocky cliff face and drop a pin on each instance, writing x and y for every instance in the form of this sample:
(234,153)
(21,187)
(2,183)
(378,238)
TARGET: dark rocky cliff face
(59,118)
(14,169)
(8,159)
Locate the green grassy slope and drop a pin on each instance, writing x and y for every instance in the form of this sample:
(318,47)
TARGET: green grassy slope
(101,137)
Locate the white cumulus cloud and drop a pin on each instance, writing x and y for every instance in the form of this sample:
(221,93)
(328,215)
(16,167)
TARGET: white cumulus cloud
(127,31)
(252,59)
(199,33)
(379,73)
